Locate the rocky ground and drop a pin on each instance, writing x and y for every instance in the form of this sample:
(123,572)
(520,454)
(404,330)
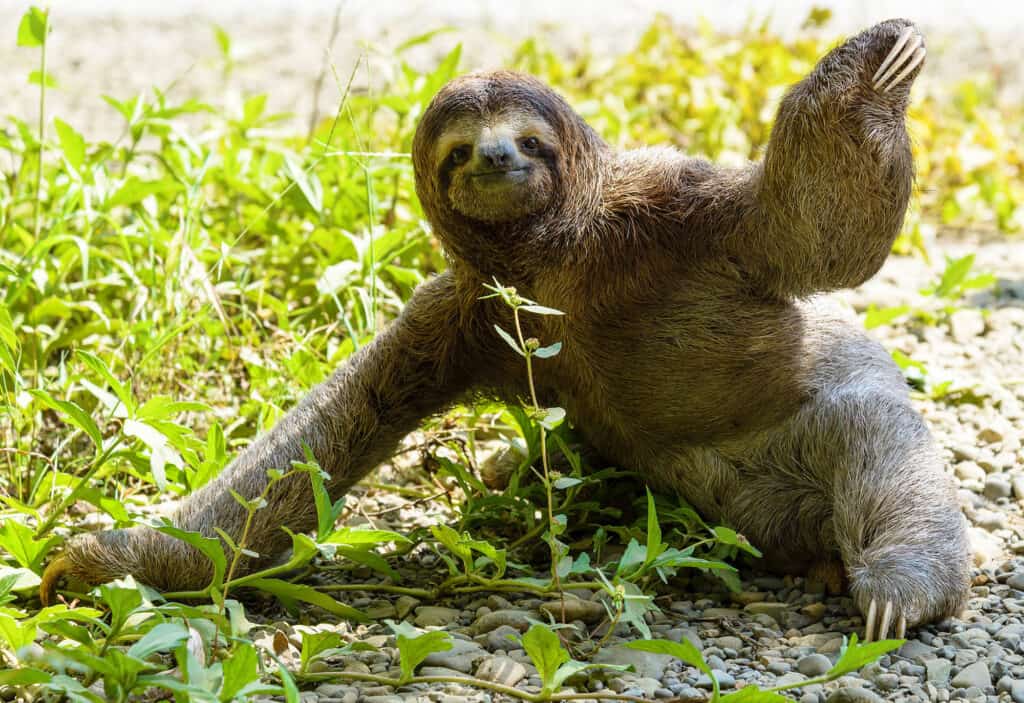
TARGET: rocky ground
(777,630)
(783,630)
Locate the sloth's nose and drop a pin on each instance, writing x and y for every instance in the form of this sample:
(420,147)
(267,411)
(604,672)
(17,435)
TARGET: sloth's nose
(498,153)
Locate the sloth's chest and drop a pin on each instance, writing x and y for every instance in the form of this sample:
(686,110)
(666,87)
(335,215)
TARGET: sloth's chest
(669,374)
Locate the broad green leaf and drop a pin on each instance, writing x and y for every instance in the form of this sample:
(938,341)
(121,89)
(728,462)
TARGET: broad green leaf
(548,351)
(682,650)
(729,536)
(72,144)
(100,368)
(42,79)
(351,536)
(240,669)
(123,598)
(876,317)
(414,646)
(566,482)
(855,655)
(753,694)
(71,414)
(163,637)
(23,677)
(210,546)
(307,594)
(17,538)
(16,633)
(508,340)
(546,652)
(33,27)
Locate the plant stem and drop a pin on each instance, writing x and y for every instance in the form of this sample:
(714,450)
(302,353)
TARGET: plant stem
(543,452)
(76,491)
(42,126)
(470,681)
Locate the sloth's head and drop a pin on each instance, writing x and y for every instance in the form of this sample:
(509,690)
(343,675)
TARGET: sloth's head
(497,148)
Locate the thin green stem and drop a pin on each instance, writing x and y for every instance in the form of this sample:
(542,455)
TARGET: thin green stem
(469,681)
(37,215)
(528,353)
(71,497)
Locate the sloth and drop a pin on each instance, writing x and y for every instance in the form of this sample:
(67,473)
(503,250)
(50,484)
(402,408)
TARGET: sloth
(695,351)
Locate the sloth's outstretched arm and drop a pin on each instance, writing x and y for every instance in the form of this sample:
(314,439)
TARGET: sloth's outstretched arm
(830,197)
(351,422)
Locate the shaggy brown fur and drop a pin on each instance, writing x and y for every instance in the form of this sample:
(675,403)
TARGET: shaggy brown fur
(691,351)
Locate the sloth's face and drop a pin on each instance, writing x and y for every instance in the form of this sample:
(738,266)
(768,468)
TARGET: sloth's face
(497,169)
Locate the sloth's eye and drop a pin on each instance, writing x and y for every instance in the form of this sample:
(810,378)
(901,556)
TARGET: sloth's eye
(530,143)
(460,155)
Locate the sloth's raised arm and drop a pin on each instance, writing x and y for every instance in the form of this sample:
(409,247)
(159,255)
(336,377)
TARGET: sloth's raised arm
(831,194)
(351,422)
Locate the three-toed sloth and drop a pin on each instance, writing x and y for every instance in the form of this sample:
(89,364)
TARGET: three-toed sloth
(693,350)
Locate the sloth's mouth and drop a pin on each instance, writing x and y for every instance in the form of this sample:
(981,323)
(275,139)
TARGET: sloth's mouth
(500,177)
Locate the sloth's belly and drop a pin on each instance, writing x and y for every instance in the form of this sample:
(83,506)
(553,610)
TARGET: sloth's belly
(688,376)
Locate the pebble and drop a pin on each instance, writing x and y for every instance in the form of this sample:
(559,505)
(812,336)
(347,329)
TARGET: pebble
(1016,581)
(850,694)
(502,637)
(517,619)
(776,611)
(461,657)
(645,664)
(976,674)
(500,669)
(937,671)
(997,486)
(813,665)
(725,680)
(588,611)
(435,616)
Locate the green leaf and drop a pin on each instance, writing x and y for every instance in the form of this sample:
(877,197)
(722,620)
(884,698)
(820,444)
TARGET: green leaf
(855,655)
(71,414)
(546,652)
(71,143)
(729,536)
(291,691)
(753,694)
(508,340)
(682,650)
(307,594)
(123,597)
(23,677)
(548,351)
(164,637)
(654,545)
(240,669)
(351,536)
(414,646)
(100,368)
(43,79)
(19,541)
(16,633)
(33,27)
(223,40)
(876,317)
(541,310)
(210,546)
(566,482)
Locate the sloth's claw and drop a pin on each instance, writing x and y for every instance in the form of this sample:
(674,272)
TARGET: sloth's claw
(877,624)
(57,569)
(906,55)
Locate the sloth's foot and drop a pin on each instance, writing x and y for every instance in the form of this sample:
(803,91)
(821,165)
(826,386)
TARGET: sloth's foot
(906,54)
(899,586)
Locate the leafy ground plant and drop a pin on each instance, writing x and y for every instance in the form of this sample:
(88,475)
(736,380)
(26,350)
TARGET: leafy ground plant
(166,295)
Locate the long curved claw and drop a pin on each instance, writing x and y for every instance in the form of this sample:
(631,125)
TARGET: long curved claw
(915,61)
(907,33)
(883,629)
(869,629)
(906,55)
(57,569)
(901,628)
